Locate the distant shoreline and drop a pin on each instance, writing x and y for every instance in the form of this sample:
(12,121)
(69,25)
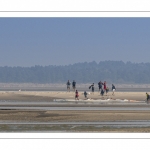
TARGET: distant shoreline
(79,89)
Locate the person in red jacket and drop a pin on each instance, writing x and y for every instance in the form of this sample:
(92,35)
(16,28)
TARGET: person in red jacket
(76,95)
(104,86)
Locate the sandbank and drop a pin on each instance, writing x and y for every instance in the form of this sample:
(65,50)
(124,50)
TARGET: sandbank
(51,95)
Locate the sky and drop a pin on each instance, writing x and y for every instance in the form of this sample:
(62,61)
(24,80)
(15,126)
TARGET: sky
(62,41)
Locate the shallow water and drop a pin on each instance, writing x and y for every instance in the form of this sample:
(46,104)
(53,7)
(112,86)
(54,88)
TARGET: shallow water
(69,126)
(77,108)
(127,122)
(70,101)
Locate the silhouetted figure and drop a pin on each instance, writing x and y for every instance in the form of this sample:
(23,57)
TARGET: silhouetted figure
(92,88)
(68,86)
(113,89)
(100,85)
(74,85)
(107,90)
(85,94)
(102,92)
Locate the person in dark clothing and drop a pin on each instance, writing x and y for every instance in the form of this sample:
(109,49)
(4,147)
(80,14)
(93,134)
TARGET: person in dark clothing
(102,92)
(74,85)
(68,86)
(85,94)
(147,96)
(100,84)
(107,90)
(92,86)
(113,89)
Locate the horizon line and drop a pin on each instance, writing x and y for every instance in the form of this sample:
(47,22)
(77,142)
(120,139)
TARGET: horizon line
(79,63)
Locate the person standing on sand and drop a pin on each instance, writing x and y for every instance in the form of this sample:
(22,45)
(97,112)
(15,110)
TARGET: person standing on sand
(100,85)
(74,85)
(68,86)
(104,86)
(85,94)
(102,92)
(76,95)
(107,90)
(92,86)
(113,89)
(147,96)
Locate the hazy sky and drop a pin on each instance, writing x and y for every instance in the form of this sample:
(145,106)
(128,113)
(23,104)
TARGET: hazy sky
(63,41)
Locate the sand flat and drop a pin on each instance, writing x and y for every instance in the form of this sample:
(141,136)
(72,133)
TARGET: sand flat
(50,95)
(70,115)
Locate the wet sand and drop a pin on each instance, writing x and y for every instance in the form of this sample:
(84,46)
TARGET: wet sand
(49,96)
(32,118)
(70,115)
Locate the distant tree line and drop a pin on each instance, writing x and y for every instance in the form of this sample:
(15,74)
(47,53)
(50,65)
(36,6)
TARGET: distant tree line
(111,71)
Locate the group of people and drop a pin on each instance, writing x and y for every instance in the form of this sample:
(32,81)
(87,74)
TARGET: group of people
(73,85)
(102,88)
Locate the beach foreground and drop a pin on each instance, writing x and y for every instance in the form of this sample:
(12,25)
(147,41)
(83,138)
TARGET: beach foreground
(16,114)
